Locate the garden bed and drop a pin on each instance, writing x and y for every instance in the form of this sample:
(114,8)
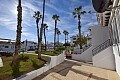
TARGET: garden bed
(27,63)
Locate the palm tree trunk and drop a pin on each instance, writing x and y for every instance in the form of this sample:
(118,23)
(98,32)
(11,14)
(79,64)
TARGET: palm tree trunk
(55,35)
(79,28)
(67,38)
(38,35)
(41,31)
(58,39)
(18,36)
(45,39)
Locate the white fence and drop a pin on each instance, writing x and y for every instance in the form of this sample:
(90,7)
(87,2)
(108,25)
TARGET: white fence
(55,60)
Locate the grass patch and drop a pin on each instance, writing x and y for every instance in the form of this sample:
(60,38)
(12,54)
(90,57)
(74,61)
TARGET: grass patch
(29,63)
(55,52)
(51,53)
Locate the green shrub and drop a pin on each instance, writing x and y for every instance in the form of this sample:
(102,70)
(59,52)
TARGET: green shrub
(15,69)
(9,54)
(34,64)
(36,51)
(23,57)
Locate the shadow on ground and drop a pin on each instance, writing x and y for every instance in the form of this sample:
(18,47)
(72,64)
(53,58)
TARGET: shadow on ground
(65,67)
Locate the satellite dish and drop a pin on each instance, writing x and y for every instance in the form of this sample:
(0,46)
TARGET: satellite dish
(101,5)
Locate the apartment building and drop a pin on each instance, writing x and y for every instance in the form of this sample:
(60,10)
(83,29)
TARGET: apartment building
(108,15)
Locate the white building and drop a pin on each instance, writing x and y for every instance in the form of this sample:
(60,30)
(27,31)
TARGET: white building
(7,45)
(98,35)
(29,45)
(107,54)
(73,39)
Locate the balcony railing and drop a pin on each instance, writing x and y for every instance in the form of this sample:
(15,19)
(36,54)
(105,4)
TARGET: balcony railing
(102,46)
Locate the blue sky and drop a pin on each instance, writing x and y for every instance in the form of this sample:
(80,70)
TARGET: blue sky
(63,8)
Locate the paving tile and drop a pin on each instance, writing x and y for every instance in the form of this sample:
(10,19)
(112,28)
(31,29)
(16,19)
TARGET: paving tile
(74,70)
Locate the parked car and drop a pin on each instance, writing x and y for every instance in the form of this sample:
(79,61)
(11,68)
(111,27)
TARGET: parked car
(68,55)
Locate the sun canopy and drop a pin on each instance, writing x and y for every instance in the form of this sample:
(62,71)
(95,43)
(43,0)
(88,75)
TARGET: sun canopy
(101,5)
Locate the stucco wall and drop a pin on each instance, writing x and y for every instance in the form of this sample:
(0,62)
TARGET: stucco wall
(99,35)
(117,58)
(1,62)
(85,56)
(105,59)
(55,60)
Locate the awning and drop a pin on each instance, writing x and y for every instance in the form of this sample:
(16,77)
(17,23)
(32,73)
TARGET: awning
(101,5)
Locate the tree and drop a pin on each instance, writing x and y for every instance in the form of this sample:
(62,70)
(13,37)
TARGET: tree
(56,18)
(65,32)
(82,41)
(37,17)
(77,13)
(19,31)
(58,33)
(41,31)
(45,28)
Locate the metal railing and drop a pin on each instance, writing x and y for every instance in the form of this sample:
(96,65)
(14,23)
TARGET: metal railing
(102,46)
(86,47)
(83,49)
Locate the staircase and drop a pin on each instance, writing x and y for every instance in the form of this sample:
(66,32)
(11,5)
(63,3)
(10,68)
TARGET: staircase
(85,48)
(102,46)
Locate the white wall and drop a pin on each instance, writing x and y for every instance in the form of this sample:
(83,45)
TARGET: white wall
(99,35)
(55,60)
(85,56)
(117,58)
(105,59)
(1,62)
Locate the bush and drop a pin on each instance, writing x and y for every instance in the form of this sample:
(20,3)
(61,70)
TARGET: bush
(9,54)
(15,69)
(23,57)
(36,51)
(61,48)
(34,64)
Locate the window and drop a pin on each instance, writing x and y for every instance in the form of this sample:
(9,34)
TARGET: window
(73,41)
(6,46)
(74,38)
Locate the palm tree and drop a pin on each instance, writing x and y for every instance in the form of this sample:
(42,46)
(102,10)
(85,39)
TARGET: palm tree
(19,31)
(77,13)
(58,33)
(45,28)
(65,32)
(56,18)
(37,16)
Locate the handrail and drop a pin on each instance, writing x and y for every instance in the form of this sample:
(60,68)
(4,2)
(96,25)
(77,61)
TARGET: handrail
(102,46)
(84,49)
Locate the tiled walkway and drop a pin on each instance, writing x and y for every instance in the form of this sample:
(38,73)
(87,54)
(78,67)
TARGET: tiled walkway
(73,70)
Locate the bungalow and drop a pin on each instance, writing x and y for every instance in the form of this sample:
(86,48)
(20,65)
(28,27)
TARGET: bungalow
(7,45)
